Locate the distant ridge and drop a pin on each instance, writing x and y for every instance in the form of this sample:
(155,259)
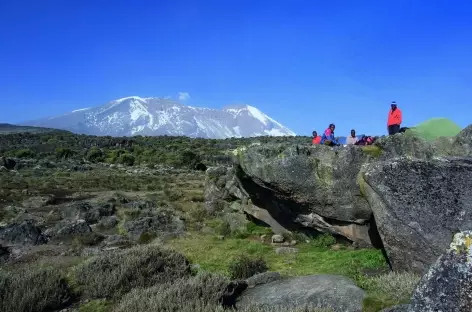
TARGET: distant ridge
(134,115)
(6,128)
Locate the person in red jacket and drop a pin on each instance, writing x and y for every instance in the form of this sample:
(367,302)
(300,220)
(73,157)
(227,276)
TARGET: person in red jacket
(316,138)
(394,119)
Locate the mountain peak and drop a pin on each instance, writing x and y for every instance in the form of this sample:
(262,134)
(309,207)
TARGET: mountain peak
(136,115)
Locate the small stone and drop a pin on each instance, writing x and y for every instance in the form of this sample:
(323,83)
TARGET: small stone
(293,243)
(285,250)
(277,239)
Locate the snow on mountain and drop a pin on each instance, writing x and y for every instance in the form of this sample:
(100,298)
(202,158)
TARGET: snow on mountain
(135,115)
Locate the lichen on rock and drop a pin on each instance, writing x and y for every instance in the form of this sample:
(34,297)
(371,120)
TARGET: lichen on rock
(462,244)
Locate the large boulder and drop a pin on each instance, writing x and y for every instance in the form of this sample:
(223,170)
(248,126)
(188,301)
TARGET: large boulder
(316,179)
(22,234)
(418,206)
(324,291)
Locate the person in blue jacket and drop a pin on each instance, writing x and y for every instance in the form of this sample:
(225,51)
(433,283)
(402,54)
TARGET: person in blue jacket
(328,136)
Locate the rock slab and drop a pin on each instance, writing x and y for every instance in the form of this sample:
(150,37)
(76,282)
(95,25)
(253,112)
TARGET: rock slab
(418,206)
(323,291)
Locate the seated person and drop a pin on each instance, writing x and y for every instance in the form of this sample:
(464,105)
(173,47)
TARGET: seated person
(352,139)
(328,136)
(316,138)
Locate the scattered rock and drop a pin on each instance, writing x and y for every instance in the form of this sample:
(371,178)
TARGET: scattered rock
(23,234)
(74,228)
(165,224)
(86,211)
(418,205)
(277,239)
(263,278)
(108,222)
(285,250)
(324,291)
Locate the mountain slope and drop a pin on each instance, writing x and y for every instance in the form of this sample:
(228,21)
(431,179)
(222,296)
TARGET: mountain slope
(156,116)
(434,128)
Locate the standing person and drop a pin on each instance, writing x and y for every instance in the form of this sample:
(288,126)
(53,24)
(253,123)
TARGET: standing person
(316,138)
(352,139)
(328,136)
(394,119)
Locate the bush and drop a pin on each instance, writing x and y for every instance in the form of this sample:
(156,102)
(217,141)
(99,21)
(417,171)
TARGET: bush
(126,159)
(32,289)
(115,273)
(24,153)
(95,155)
(64,153)
(244,267)
(187,294)
(324,240)
(89,239)
(388,289)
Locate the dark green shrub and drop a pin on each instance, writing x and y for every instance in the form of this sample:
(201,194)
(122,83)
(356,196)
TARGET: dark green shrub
(115,273)
(95,155)
(24,153)
(64,153)
(89,239)
(146,237)
(324,240)
(244,267)
(224,228)
(32,289)
(187,294)
(126,159)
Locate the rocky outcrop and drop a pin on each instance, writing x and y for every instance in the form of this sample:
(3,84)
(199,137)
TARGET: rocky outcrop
(414,192)
(323,291)
(23,234)
(418,206)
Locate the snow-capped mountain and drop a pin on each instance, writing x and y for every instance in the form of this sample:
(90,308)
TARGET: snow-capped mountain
(156,116)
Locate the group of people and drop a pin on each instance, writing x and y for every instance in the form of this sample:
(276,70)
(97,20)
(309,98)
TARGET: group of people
(394,121)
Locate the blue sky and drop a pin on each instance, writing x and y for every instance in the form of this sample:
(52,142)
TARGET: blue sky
(304,63)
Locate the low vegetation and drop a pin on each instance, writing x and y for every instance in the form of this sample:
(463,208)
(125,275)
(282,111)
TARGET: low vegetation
(113,274)
(32,288)
(151,272)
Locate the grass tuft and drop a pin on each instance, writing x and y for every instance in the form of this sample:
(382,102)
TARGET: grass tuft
(31,289)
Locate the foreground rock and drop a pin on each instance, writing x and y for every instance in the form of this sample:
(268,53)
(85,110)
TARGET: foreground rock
(324,291)
(23,234)
(448,284)
(418,205)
